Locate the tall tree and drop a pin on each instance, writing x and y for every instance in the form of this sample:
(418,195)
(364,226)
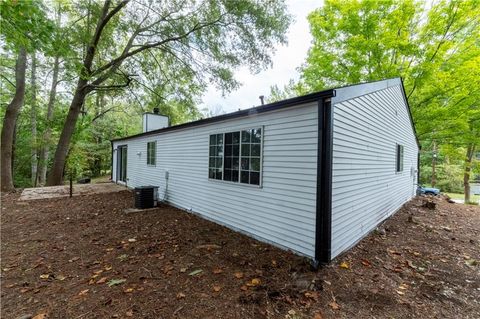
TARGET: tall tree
(33,119)
(433,47)
(24,28)
(52,95)
(207,37)
(10,120)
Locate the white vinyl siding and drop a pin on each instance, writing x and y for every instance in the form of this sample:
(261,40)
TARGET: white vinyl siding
(281,211)
(366,188)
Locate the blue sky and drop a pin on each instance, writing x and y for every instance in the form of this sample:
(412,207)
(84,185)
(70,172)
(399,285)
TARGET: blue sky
(286,60)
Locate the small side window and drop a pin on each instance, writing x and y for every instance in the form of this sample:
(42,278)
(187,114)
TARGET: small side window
(151,153)
(399,162)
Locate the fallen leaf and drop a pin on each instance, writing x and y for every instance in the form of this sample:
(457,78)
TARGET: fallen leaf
(400,292)
(44,276)
(344,265)
(255,281)
(73,259)
(180,295)
(217,271)
(102,280)
(239,275)
(334,305)
(107,268)
(217,288)
(471,262)
(129,313)
(318,315)
(132,240)
(403,286)
(184,269)
(366,263)
(312,295)
(195,272)
(40,316)
(115,282)
(244,288)
(128,290)
(83,292)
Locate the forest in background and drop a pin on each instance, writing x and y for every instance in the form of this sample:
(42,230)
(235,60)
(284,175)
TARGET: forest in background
(75,74)
(433,46)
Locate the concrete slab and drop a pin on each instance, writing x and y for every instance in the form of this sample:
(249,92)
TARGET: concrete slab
(64,190)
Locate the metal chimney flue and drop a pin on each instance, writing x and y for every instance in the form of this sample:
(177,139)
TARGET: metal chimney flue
(156,110)
(261,99)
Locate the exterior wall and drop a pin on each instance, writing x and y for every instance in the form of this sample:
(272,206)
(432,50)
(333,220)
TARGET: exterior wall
(365,186)
(281,211)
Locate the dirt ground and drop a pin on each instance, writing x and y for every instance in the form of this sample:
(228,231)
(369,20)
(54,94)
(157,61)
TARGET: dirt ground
(84,257)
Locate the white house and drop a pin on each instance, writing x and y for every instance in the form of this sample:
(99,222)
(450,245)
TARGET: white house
(313,174)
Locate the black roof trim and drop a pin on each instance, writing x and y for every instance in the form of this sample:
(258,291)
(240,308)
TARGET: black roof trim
(410,114)
(313,97)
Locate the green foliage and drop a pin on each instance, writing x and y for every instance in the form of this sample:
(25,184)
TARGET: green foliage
(24,24)
(434,47)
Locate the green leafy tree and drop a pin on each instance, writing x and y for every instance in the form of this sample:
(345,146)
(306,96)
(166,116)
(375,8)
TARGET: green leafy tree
(208,37)
(434,49)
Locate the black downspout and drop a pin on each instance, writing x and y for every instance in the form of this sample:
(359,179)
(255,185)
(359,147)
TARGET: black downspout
(323,225)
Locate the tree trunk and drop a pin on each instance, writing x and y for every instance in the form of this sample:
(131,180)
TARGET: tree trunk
(45,151)
(33,121)
(9,122)
(467,171)
(56,175)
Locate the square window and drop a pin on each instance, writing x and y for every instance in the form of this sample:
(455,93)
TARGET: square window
(151,153)
(236,156)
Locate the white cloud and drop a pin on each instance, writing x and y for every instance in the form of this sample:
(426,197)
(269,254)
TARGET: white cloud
(285,62)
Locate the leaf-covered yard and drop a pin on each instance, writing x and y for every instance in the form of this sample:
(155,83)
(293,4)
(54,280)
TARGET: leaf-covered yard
(86,258)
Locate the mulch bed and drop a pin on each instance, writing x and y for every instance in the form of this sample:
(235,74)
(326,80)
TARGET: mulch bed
(84,257)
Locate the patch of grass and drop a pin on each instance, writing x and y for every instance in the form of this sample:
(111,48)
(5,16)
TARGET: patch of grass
(474,199)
